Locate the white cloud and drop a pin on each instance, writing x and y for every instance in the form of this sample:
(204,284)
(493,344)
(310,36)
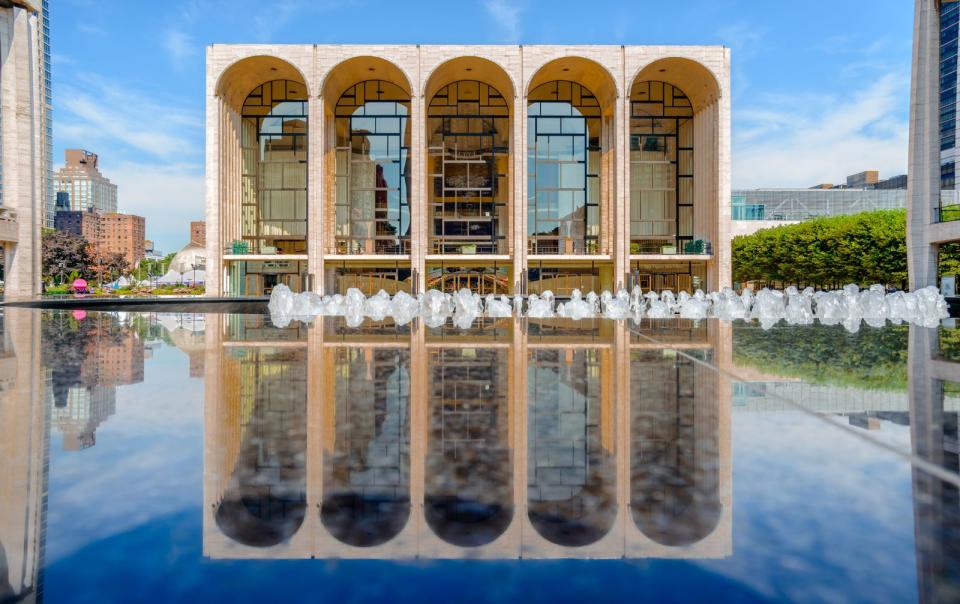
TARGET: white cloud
(179,45)
(91,29)
(93,113)
(61,60)
(506,14)
(800,141)
(267,19)
(168,196)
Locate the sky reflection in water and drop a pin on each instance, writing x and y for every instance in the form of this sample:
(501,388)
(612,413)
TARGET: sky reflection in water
(186,457)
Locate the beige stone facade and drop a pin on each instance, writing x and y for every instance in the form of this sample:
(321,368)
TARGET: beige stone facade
(678,247)
(21,145)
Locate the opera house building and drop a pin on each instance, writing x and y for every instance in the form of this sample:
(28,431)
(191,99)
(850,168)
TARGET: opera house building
(504,169)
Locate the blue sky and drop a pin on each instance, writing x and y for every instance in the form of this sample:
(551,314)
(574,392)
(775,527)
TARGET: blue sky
(820,87)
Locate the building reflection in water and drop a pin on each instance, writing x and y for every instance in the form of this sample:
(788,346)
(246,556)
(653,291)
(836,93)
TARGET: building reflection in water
(933,434)
(94,355)
(571,441)
(533,438)
(468,495)
(24,450)
(675,494)
(366,473)
(538,439)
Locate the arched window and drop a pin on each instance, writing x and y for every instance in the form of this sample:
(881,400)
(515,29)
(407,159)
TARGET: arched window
(661,170)
(563,166)
(372,121)
(274,170)
(468,125)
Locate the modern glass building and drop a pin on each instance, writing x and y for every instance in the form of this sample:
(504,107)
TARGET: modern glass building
(949,39)
(505,169)
(803,204)
(933,209)
(46,107)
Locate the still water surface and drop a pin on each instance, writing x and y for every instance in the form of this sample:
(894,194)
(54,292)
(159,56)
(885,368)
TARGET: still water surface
(214,457)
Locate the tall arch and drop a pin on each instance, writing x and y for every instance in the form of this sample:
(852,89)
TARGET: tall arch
(373,169)
(571,171)
(239,79)
(262,176)
(662,152)
(675,177)
(468,170)
(564,130)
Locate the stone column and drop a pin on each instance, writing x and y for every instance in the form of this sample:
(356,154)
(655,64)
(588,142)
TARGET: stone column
(621,222)
(419,239)
(316,193)
(923,188)
(518,165)
(23,178)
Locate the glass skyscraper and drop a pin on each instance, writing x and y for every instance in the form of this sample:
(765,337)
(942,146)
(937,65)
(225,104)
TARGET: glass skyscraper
(949,38)
(47,115)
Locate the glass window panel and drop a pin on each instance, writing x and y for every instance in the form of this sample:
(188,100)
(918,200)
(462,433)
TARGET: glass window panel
(572,176)
(656,188)
(560,186)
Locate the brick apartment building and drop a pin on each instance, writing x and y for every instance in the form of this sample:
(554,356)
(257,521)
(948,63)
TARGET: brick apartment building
(107,233)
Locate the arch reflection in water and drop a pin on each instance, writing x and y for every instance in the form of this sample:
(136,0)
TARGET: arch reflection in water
(366,499)
(674,465)
(468,490)
(264,502)
(423,439)
(571,499)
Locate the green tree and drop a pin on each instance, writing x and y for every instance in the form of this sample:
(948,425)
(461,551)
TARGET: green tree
(62,254)
(155,268)
(864,248)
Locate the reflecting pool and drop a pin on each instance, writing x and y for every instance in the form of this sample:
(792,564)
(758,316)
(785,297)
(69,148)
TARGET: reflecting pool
(216,457)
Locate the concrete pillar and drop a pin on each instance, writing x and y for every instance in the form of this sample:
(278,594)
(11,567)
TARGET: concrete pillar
(518,165)
(621,146)
(923,188)
(419,238)
(21,128)
(316,191)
